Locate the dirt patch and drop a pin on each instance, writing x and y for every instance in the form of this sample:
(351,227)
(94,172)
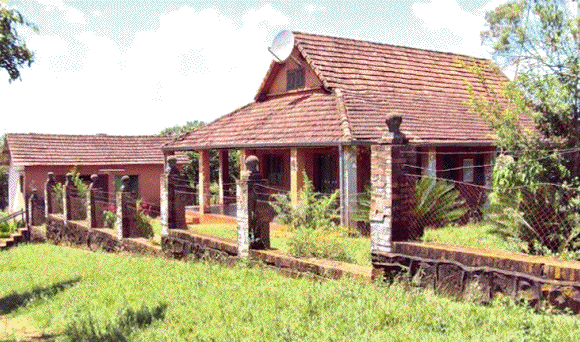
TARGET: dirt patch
(19,329)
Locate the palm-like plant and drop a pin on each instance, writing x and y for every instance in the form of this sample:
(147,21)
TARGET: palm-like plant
(437,203)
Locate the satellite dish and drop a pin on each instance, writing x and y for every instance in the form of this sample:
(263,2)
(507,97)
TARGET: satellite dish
(282,46)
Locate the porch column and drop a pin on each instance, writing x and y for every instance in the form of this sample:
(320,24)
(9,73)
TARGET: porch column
(488,163)
(431,170)
(224,177)
(348,188)
(296,173)
(204,181)
(242,161)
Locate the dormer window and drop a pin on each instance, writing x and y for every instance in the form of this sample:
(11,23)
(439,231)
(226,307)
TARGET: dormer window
(294,78)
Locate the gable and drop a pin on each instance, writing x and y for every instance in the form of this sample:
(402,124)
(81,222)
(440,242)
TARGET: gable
(275,82)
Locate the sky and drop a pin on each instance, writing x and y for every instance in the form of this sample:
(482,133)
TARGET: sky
(135,67)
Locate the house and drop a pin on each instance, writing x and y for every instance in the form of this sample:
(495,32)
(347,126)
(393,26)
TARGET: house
(318,112)
(31,156)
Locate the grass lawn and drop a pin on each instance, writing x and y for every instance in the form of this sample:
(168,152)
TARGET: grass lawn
(473,235)
(57,288)
(358,248)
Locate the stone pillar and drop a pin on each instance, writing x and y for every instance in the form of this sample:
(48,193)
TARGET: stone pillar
(35,216)
(296,174)
(92,202)
(164,205)
(253,221)
(69,191)
(224,177)
(390,192)
(203,185)
(349,186)
(50,202)
(125,210)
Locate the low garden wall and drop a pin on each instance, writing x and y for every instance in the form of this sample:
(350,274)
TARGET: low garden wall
(464,271)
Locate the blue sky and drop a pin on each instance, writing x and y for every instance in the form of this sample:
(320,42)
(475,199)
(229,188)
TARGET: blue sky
(136,67)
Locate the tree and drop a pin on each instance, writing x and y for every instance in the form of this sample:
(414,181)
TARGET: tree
(180,129)
(14,54)
(540,41)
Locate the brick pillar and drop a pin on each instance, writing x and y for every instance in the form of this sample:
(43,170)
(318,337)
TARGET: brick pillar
(203,185)
(50,202)
(91,203)
(253,221)
(390,192)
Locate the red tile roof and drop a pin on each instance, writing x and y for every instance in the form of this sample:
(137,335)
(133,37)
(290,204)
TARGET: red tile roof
(367,82)
(52,149)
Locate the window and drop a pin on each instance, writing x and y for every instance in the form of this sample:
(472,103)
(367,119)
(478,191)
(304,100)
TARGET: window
(133,184)
(468,170)
(294,78)
(274,169)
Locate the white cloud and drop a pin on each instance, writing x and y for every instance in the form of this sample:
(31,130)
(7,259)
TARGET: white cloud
(447,18)
(195,65)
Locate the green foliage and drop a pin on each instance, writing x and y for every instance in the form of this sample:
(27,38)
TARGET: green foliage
(9,227)
(129,320)
(318,244)
(180,129)
(110,218)
(14,54)
(437,203)
(540,40)
(313,221)
(540,218)
(208,302)
(143,221)
(313,211)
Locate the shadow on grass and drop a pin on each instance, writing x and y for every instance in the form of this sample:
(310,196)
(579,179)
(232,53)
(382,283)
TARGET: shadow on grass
(18,300)
(87,329)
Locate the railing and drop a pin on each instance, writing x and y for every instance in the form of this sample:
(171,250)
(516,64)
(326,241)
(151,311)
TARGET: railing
(13,216)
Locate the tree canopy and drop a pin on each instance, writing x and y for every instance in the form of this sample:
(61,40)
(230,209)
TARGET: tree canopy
(14,54)
(540,41)
(179,129)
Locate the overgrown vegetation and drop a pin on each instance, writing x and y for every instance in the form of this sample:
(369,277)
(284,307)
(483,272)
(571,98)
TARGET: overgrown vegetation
(9,227)
(143,220)
(209,302)
(534,201)
(313,221)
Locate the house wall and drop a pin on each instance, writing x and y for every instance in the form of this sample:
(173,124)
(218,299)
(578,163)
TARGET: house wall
(149,177)
(310,78)
(15,196)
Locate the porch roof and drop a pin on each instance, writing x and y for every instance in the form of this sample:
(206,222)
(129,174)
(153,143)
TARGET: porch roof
(362,84)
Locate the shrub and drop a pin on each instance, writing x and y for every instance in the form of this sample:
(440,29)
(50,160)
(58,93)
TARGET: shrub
(313,221)
(142,220)
(437,203)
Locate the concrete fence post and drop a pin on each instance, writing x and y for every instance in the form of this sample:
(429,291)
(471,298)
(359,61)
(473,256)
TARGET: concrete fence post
(91,202)
(126,207)
(390,197)
(49,198)
(69,190)
(253,228)
(164,205)
(35,216)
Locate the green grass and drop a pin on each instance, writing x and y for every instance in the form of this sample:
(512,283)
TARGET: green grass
(73,290)
(358,247)
(472,235)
